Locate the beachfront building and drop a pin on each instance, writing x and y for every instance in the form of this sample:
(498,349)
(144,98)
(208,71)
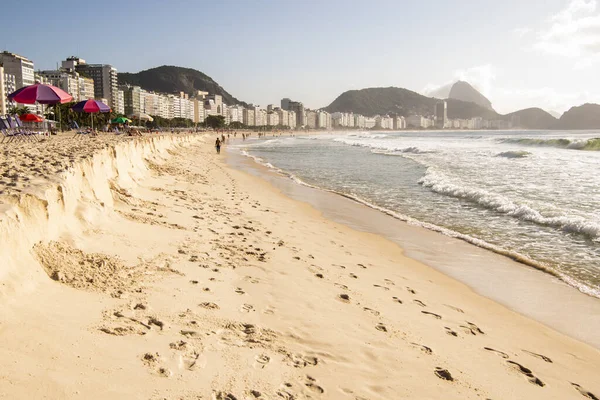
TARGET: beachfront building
(213,104)
(272,118)
(21,69)
(248,116)
(260,116)
(399,123)
(384,122)
(7,86)
(104,77)
(86,88)
(119,102)
(284,117)
(18,66)
(134,100)
(359,121)
(311,119)
(441,114)
(298,108)
(370,122)
(236,113)
(183,107)
(65,80)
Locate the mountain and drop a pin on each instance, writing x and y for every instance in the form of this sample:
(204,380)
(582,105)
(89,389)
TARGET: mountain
(441,92)
(393,100)
(586,116)
(532,118)
(462,90)
(171,79)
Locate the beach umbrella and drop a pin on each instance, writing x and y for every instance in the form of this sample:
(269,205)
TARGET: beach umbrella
(30,118)
(40,93)
(120,120)
(91,107)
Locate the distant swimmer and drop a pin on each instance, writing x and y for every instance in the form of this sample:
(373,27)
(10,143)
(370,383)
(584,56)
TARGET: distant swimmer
(218,146)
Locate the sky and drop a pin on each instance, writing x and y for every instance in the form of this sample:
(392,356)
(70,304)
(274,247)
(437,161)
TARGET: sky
(532,53)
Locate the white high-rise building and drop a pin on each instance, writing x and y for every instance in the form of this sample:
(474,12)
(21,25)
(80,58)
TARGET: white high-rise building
(20,67)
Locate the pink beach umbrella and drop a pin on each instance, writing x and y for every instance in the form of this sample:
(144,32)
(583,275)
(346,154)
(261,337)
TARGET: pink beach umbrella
(40,93)
(91,107)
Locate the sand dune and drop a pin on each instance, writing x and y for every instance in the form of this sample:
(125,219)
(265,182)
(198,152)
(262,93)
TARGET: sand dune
(151,270)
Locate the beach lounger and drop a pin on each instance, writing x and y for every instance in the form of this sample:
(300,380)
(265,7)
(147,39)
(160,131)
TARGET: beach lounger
(8,133)
(82,132)
(31,134)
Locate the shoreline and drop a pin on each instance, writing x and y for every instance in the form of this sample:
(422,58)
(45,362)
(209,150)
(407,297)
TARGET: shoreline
(159,272)
(536,287)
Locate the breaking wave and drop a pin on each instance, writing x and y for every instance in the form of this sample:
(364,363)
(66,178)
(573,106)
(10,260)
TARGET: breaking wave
(384,148)
(514,154)
(563,143)
(501,204)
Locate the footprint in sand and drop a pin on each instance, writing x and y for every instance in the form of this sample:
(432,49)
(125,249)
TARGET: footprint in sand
(209,305)
(443,374)
(397,300)
(353,276)
(419,302)
(247,308)
(239,291)
(472,329)
(450,332)
(344,297)
(423,348)
(412,291)
(153,361)
(223,396)
(547,359)
(339,285)
(320,276)
(311,384)
(584,392)
(382,287)
(436,316)
(370,310)
(526,372)
(381,327)
(261,361)
(498,352)
(389,282)
(455,308)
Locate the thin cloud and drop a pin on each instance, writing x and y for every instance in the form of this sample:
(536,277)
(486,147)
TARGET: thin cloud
(481,77)
(520,32)
(573,32)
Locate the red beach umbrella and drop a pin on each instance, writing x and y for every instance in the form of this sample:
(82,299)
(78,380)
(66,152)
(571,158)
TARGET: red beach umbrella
(30,118)
(40,93)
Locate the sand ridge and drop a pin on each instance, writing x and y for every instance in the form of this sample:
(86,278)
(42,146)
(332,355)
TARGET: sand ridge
(228,290)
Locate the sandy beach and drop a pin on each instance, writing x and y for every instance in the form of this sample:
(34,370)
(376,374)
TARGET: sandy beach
(150,269)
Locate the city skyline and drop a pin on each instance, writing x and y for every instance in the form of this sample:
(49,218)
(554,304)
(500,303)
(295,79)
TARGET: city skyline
(262,52)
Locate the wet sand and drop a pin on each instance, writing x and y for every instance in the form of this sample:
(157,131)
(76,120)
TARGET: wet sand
(519,287)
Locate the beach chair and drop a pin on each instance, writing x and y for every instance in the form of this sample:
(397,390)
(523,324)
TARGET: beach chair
(28,133)
(14,128)
(81,132)
(8,134)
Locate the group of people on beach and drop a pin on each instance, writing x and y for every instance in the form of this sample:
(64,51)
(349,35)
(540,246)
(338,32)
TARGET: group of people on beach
(222,139)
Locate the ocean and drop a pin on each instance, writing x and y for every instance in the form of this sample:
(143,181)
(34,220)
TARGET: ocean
(531,196)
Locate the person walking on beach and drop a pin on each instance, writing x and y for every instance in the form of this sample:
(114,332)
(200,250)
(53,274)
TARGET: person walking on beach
(218,146)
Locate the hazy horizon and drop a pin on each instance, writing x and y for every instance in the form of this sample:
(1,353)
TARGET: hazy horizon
(544,56)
